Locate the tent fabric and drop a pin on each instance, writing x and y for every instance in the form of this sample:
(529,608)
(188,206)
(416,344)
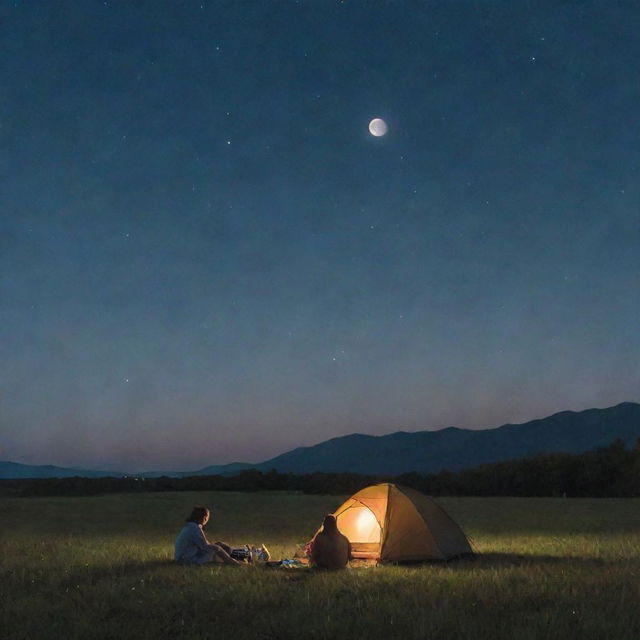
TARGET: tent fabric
(391,523)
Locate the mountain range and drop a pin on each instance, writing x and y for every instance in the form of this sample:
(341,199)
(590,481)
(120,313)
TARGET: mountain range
(421,451)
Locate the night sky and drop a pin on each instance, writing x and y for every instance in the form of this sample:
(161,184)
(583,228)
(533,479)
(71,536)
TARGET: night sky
(205,256)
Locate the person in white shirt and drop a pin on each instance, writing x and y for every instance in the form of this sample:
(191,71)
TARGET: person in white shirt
(192,546)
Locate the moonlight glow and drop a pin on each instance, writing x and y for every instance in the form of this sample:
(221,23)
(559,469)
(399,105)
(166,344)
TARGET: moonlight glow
(378,127)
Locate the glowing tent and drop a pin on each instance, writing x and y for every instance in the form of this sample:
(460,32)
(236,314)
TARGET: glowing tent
(390,523)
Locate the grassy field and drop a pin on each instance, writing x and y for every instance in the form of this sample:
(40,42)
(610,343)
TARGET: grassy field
(101,568)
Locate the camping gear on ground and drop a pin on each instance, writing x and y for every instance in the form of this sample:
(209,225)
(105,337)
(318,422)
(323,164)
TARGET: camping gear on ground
(287,563)
(241,554)
(260,554)
(250,554)
(390,523)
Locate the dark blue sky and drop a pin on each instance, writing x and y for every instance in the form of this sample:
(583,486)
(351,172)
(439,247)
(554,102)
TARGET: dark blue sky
(205,256)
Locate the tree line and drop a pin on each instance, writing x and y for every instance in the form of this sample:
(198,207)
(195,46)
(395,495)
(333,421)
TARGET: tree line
(611,471)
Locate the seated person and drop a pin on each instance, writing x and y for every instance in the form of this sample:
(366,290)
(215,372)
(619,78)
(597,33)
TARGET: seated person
(192,546)
(330,549)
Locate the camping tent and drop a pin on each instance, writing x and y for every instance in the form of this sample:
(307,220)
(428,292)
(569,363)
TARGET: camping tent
(390,523)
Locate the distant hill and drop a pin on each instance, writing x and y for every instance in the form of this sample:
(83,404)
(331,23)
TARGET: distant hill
(221,469)
(422,451)
(455,449)
(230,469)
(17,470)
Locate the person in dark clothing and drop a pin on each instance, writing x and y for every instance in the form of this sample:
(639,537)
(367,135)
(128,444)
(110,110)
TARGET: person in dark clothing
(330,549)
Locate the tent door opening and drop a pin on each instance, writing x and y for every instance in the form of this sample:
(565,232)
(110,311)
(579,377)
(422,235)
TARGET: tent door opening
(362,528)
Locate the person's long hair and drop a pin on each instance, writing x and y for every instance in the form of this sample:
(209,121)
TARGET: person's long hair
(198,515)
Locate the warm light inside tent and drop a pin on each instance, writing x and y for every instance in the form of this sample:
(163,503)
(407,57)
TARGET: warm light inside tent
(359,524)
(366,524)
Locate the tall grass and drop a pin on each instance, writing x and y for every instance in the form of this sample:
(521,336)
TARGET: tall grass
(101,568)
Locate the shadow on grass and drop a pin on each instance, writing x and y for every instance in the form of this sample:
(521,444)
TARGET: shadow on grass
(96,573)
(505,560)
(484,561)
